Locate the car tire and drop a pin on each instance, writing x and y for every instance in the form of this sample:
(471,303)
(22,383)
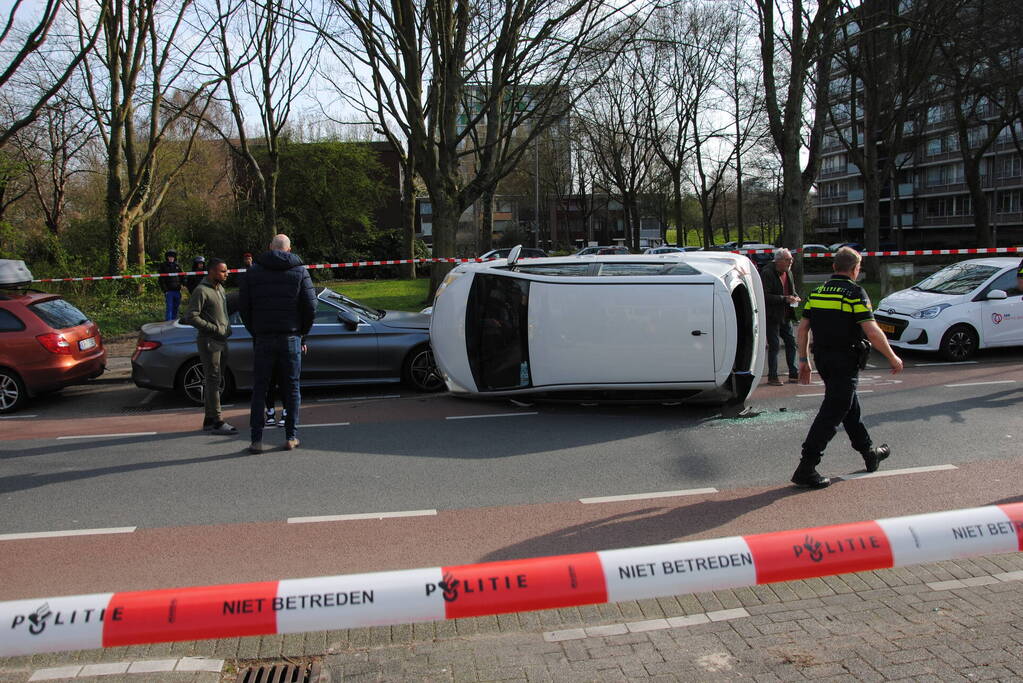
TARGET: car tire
(191,380)
(12,391)
(420,370)
(959,343)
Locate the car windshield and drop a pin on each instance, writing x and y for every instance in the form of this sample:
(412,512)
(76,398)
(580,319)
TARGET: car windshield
(960,278)
(58,314)
(360,308)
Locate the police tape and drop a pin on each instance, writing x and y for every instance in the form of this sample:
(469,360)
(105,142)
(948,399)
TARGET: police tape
(416,595)
(397,262)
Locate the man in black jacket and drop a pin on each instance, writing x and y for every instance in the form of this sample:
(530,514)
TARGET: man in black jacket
(277,303)
(171,284)
(781,299)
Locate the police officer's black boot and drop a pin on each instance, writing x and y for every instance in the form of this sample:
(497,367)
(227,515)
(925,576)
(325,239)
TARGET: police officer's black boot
(806,475)
(873,456)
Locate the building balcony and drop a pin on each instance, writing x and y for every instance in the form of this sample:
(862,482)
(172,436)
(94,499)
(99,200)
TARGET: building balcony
(855,195)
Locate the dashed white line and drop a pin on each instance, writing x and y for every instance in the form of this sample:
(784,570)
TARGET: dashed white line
(106,436)
(865,391)
(473,417)
(934,365)
(979,384)
(326,424)
(892,473)
(356,398)
(69,532)
(362,515)
(645,496)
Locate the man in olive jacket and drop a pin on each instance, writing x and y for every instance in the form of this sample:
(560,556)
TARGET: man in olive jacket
(207,312)
(780,298)
(277,303)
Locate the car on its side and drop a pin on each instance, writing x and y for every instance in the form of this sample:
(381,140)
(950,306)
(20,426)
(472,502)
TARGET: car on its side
(350,343)
(966,306)
(660,328)
(46,343)
(602,251)
(527,252)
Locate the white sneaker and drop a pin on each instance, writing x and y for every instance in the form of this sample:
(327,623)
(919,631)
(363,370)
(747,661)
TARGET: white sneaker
(223,428)
(284,417)
(271,421)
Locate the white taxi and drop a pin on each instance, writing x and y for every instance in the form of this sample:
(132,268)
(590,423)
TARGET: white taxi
(664,328)
(970,305)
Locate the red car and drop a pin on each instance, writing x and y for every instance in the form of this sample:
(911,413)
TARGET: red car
(45,345)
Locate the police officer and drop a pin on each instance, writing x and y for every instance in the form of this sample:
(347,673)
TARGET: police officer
(838,316)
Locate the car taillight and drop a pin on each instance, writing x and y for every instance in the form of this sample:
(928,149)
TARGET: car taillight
(55,343)
(144,345)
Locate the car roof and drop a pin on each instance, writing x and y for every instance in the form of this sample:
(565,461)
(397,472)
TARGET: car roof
(26,297)
(998,261)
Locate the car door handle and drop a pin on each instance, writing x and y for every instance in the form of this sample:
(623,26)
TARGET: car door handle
(697,333)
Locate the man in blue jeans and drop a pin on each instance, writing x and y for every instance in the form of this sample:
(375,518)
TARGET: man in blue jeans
(277,304)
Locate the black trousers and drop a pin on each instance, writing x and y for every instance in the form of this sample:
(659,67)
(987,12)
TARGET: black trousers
(840,372)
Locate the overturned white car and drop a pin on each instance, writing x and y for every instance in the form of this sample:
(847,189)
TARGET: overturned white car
(663,328)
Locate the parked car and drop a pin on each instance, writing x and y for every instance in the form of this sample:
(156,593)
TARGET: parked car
(527,252)
(350,343)
(670,250)
(852,245)
(46,343)
(970,305)
(602,251)
(816,249)
(670,327)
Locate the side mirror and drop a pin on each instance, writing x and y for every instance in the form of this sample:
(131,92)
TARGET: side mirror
(997,294)
(348,319)
(513,255)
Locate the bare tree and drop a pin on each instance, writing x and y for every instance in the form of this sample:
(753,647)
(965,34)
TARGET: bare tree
(415,65)
(51,150)
(18,47)
(148,104)
(795,51)
(266,58)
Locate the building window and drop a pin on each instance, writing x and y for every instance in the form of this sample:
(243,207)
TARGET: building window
(1009,202)
(936,114)
(933,147)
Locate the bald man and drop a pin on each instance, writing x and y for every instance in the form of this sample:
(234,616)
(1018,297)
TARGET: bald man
(277,303)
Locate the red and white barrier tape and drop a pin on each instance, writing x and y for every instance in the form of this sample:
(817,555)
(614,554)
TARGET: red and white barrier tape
(396,262)
(401,597)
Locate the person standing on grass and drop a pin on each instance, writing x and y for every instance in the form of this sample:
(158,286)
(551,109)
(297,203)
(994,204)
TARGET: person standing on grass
(207,312)
(277,303)
(171,285)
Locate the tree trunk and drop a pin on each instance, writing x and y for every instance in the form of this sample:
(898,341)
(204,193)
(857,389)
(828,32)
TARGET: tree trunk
(445,227)
(486,236)
(408,220)
(677,206)
(981,210)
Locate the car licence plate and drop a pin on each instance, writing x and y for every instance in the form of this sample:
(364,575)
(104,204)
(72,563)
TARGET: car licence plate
(885,327)
(86,344)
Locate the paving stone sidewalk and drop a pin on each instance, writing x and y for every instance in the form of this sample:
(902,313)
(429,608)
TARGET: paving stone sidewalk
(950,621)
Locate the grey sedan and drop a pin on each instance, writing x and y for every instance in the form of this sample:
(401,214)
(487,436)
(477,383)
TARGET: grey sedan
(350,343)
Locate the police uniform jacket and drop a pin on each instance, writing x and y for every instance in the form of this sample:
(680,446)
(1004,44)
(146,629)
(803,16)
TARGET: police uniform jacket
(835,311)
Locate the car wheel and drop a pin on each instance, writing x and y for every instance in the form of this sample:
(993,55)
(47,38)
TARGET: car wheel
(420,370)
(959,343)
(12,391)
(192,382)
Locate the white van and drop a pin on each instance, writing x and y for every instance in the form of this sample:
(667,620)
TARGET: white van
(664,328)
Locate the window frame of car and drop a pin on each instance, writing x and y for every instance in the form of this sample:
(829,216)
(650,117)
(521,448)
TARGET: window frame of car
(1009,274)
(52,320)
(10,315)
(605,269)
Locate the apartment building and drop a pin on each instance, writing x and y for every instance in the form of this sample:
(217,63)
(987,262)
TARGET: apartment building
(925,195)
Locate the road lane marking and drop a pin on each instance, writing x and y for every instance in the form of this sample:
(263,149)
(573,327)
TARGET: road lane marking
(979,384)
(892,473)
(645,496)
(473,417)
(106,436)
(148,399)
(69,532)
(16,417)
(362,515)
(326,424)
(865,391)
(356,398)
(934,365)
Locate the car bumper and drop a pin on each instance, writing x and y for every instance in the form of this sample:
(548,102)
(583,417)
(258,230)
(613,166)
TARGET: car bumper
(909,333)
(70,371)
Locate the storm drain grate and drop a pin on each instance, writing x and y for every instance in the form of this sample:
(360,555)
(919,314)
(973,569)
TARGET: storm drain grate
(280,673)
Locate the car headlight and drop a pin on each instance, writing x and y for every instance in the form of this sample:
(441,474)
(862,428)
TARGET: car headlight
(929,312)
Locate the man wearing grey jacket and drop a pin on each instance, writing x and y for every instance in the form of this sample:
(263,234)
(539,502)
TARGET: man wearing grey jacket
(207,312)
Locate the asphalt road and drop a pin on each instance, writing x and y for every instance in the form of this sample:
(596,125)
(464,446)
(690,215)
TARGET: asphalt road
(461,481)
